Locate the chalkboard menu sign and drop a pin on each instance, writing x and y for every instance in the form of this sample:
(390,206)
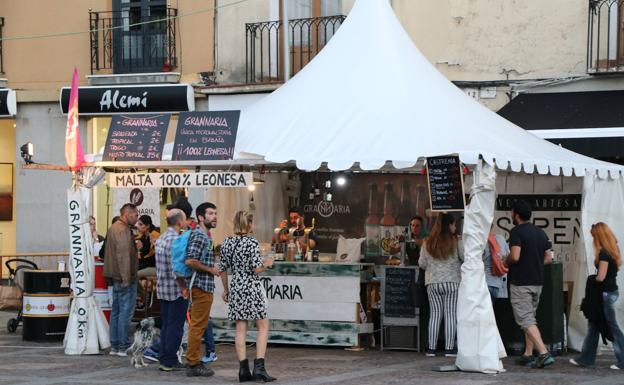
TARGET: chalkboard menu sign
(400,292)
(206,135)
(136,138)
(446,186)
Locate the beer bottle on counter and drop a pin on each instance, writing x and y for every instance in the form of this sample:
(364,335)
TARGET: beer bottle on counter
(403,213)
(403,217)
(389,246)
(371,225)
(421,204)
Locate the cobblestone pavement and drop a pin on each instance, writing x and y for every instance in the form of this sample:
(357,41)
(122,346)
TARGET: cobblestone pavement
(44,363)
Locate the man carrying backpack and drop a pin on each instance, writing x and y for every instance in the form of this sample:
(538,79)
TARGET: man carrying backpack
(172,294)
(200,258)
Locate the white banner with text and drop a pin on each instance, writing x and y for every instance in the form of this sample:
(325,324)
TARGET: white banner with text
(182,179)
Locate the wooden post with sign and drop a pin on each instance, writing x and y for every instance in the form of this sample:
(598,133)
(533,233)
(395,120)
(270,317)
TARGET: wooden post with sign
(446,183)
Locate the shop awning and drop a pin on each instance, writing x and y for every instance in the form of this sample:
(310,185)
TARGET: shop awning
(590,123)
(370,96)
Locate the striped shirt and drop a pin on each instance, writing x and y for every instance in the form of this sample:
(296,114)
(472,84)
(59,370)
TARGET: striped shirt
(166,287)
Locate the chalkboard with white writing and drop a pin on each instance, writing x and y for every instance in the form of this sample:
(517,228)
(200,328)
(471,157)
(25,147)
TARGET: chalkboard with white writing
(136,138)
(206,135)
(446,185)
(400,299)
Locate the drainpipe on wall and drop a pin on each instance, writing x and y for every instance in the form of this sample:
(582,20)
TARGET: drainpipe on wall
(215,46)
(286,42)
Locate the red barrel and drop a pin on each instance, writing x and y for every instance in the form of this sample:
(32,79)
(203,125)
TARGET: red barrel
(101,292)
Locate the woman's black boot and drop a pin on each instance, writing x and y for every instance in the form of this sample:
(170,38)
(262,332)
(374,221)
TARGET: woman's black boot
(259,371)
(243,373)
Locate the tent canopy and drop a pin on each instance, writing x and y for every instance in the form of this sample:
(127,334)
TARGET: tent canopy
(370,97)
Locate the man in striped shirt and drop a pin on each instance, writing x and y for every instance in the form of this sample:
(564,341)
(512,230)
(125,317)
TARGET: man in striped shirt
(172,293)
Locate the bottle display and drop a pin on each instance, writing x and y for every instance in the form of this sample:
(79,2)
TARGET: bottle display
(387,225)
(371,225)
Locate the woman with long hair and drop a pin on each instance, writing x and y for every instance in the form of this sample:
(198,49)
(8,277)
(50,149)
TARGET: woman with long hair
(607,261)
(245,295)
(146,237)
(441,258)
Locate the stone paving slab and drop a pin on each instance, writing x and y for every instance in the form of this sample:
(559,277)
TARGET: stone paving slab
(23,363)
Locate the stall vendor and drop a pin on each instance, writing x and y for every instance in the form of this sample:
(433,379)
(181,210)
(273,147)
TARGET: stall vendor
(297,229)
(415,241)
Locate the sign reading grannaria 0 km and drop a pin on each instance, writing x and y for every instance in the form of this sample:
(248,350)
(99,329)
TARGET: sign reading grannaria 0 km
(188,179)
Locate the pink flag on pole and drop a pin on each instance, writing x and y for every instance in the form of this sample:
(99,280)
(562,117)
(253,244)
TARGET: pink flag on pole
(73,147)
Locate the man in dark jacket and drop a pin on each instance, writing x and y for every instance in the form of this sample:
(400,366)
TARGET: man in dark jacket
(120,267)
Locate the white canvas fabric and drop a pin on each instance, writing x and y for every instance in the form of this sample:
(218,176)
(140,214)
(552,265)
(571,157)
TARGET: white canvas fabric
(87,329)
(370,96)
(602,202)
(479,345)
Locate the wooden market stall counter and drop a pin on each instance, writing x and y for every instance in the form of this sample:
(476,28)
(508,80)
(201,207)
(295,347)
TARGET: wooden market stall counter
(310,303)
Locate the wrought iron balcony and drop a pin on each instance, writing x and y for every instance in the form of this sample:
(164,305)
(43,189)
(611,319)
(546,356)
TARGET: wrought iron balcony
(127,43)
(264,57)
(605,36)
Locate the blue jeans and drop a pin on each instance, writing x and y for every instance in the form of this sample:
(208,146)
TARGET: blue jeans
(209,339)
(494,292)
(124,299)
(590,344)
(173,315)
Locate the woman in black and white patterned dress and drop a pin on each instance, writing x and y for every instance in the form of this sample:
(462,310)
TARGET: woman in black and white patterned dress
(245,295)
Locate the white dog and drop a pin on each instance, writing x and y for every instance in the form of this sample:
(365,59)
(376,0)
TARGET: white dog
(143,337)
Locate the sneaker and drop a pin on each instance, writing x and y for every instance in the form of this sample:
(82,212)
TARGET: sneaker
(526,360)
(450,353)
(122,353)
(573,362)
(175,368)
(199,370)
(151,355)
(614,367)
(211,357)
(430,353)
(113,352)
(544,360)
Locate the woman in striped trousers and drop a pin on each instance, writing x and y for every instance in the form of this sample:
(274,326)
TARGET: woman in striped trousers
(441,258)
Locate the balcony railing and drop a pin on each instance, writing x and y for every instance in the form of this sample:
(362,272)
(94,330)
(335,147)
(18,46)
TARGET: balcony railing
(264,58)
(130,44)
(605,36)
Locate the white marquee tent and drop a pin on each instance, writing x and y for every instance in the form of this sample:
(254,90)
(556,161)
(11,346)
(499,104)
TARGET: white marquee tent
(370,97)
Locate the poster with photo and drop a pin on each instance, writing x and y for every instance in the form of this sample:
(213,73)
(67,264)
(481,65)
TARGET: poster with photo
(147,201)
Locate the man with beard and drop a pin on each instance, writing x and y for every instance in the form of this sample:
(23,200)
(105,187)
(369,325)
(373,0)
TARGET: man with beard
(530,250)
(200,257)
(120,267)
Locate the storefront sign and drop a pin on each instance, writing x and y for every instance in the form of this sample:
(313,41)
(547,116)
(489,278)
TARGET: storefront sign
(208,135)
(446,187)
(147,201)
(8,103)
(188,179)
(136,138)
(140,99)
(559,215)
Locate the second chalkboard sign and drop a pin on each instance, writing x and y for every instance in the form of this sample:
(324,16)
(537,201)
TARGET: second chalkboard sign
(206,135)
(399,292)
(446,184)
(136,138)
